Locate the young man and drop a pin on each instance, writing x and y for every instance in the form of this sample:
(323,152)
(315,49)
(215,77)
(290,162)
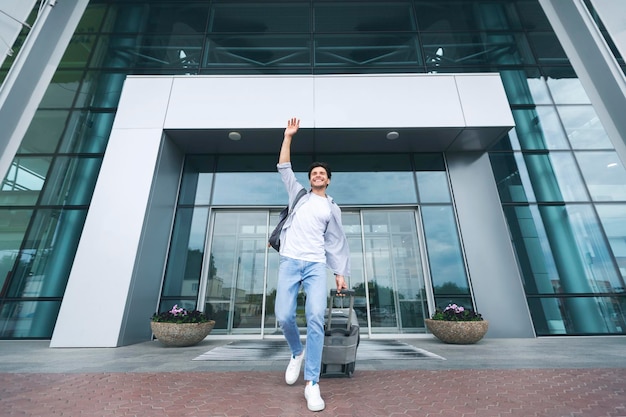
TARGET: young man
(312,239)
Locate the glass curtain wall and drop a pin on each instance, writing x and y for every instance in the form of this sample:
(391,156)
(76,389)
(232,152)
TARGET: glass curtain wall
(559,177)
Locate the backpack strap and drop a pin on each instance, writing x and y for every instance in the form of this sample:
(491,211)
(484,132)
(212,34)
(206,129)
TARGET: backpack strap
(301,193)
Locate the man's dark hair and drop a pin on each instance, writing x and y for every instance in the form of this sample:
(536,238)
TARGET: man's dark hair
(320,164)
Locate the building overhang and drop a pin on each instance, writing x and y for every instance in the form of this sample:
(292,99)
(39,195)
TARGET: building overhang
(331,141)
(339,113)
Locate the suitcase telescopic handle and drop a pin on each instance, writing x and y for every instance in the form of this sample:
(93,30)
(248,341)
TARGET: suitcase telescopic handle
(334,293)
(340,294)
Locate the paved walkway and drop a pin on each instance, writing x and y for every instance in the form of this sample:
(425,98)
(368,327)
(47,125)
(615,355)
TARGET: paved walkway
(548,377)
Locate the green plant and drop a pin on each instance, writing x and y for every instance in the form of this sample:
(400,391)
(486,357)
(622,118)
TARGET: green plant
(454,312)
(180,315)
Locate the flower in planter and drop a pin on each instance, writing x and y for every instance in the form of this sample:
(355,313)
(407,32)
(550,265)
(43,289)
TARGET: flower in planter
(455,312)
(180,315)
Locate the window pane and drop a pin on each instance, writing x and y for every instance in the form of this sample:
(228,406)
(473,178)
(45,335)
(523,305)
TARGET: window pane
(547,48)
(29,319)
(243,188)
(13,224)
(254,180)
(265,17)
(364,17)
(170,51)
(604,175)
(87,132)
(581,254)
(525,87)
(566,88)
(429,162)
(532,15)
(578,315)
(532,247)
(366,50)
(554,177)
(444,251)
(71,181)
(92,18)
(583,128)
(433,187)
(101,90)
(539,129)
(258,50)
(371,179)
(86,87)
(570,183)
(24,181)
(465,49)
(47,253)
(78,51)
(184,265)
(44,132)
(62,89)
(178,18)
(456,15)
(373,188)
(511,177)
(197,181)
(613,218)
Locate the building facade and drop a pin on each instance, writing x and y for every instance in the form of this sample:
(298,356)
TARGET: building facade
(477,148)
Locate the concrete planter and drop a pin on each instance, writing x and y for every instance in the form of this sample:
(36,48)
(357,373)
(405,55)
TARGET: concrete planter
(457,332)
(181,334)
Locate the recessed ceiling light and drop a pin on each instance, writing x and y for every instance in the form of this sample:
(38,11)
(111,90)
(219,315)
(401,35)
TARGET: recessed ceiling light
(393,135)
(234,135)
(611,165)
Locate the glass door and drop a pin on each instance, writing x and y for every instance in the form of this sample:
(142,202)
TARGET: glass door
(387,272)
(394,274)
(237,271)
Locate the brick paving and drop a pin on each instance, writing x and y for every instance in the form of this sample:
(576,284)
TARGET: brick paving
(426,393)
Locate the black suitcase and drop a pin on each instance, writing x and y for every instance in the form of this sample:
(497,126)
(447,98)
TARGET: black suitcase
(341,336)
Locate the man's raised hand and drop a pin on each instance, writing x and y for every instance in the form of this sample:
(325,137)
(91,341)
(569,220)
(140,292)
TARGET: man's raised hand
(292,126)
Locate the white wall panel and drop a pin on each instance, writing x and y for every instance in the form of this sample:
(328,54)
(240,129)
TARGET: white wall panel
(336,101)
(143,103)
(105,258)
(241,102)
(494,273)
(483,101)
(387,101)
(613,16)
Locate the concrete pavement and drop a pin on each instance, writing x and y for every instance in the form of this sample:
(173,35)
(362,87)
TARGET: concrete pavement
(547,377)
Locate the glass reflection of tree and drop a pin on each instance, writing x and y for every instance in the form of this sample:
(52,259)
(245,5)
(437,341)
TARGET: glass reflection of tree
(376,294)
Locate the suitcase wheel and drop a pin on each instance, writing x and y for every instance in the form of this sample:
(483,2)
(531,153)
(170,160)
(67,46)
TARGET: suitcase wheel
(350,369)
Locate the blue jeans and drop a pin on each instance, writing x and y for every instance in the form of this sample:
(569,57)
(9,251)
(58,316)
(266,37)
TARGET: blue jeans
(312,276)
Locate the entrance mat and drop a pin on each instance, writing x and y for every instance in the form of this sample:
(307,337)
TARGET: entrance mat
(268,350)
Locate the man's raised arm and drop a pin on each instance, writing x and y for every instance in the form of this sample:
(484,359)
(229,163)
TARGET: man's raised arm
(285,150)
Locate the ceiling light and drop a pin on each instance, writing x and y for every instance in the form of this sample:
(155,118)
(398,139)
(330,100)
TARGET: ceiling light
(611,165)
(393,135)
(234,135)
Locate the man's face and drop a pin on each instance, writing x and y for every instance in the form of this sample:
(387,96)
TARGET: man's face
(319,178)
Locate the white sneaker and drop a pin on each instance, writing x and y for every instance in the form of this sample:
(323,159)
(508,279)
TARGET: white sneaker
(293,369)
(313,397)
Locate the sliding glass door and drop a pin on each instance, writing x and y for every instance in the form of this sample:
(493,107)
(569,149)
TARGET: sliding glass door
(387,272)
(394,273)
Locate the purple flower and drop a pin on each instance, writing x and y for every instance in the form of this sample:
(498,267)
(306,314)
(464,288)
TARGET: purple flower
(454,312)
